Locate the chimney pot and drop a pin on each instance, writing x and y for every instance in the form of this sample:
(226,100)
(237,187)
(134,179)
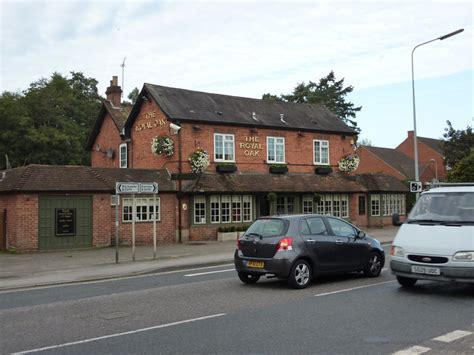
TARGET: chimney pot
(114,92)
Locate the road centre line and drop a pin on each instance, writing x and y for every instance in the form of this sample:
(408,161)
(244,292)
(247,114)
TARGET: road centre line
(208,272)
(352,289)
(120,334)
(74,283)
(413,350)
(455,335)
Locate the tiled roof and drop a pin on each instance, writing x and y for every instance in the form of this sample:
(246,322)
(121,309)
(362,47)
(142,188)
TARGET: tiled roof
(65,178)
(396,159)
(435,144)
(195,106)
(119,117)
(334,183)
(380,183)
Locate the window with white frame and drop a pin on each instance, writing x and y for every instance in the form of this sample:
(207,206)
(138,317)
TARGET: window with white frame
(307,204)
(144,209)
(225,209)
(224,147)
(215,209)
(123,155)
(336,206)
(345,206)
(375,205)
(328,204)
(199,209)
(393,203)
(236,209)
(321,152)
(320,206)
(276,150)
(247,208)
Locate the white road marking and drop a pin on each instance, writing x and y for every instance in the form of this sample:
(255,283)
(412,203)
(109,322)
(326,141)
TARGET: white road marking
(352,289)
(78,282)
(413,350)
(457,334)
(208,272)
(120,334)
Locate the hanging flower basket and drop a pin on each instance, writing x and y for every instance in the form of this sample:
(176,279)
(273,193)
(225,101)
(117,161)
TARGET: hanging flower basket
(349,163)
(162,145)
(199,161)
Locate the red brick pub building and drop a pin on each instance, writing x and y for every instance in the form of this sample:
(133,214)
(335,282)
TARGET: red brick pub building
(220,162)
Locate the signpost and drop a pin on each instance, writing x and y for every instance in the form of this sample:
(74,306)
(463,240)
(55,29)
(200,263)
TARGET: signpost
(416,186)
(123,188)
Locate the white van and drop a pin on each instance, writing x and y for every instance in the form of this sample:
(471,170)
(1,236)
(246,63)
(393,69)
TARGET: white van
(436,242)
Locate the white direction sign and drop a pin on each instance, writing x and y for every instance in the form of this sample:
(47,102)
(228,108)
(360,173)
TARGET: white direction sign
(136,188)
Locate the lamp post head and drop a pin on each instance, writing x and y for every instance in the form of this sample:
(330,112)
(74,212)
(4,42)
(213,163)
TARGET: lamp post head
(451,34)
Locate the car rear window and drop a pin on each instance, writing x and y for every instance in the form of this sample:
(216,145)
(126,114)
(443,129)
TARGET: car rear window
(268,227)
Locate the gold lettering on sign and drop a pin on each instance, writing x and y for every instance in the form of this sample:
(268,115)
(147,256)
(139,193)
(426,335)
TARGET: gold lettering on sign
(251,146)
(152,122)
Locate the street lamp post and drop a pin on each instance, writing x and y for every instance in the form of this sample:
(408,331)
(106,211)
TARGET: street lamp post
(417,174)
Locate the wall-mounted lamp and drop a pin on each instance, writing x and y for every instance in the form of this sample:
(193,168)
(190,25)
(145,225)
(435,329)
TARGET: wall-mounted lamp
(144,98)
(174,128)
(196,127)
(300,134)
(253,130)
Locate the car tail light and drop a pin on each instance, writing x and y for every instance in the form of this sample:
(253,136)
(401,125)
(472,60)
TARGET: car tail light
(285,244)
(238,244)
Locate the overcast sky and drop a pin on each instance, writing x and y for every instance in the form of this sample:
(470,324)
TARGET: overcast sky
(248,48)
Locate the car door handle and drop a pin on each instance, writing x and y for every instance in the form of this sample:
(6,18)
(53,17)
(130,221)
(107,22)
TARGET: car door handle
(339,241)
(311,241)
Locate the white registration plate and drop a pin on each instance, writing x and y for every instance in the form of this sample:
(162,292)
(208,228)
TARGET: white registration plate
(425,270)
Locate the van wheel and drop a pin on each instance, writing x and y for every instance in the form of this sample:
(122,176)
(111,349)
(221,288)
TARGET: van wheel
(374,265)
(300,275)
(406,281)
(248,278)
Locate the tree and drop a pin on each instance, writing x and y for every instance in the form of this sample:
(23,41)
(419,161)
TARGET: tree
(133,96)
(49,122)
(463,171)
(458,144)
(329,92)
(364,141)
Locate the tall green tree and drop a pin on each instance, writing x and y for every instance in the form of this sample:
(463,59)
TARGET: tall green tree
(327,91)
(463,171)
(133,96)
(49,122)
(458,144)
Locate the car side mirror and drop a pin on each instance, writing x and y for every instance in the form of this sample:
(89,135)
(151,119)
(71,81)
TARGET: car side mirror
(396,220)
(361,234)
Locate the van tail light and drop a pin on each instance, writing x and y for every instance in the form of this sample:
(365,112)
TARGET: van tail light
(285,244)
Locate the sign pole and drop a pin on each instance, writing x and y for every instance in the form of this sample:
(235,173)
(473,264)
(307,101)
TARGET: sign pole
(154,226)
(116,229)
(133,226)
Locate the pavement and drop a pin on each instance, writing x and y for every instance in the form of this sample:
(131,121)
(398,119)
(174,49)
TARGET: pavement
(37,269)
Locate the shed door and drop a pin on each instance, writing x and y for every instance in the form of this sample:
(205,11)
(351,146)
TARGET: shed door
(65,222)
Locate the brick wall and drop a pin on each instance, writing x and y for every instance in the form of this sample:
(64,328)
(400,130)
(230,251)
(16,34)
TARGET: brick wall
(425,154)
(370,163)
(108,137)
(250,144)
(22,221)
(101,221)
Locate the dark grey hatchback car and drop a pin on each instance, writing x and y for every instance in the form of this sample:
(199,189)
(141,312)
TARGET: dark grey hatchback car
(299,247)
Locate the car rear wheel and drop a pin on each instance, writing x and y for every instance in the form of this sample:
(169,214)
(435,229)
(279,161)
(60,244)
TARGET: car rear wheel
(248,278)
(374,265)
(300,274)
(406,281)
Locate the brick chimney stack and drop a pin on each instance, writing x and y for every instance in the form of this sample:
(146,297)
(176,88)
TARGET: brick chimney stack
(114,92)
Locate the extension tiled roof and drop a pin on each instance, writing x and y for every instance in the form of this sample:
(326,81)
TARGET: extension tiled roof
(298,183)
(196,106)
(435,144)
(119,117)
(380,183)
(66,178)
(396,159)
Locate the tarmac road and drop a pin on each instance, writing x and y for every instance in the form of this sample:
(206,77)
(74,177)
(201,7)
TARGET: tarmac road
(208,310)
